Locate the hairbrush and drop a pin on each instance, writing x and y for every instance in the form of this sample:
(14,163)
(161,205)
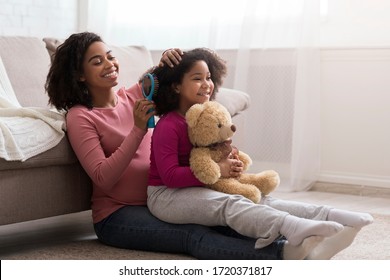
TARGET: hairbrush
(149,88)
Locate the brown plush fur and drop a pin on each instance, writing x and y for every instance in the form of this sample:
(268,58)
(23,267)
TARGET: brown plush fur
(210,129)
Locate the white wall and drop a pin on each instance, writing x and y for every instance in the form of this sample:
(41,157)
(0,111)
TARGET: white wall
(355,111)
(39,18)
(355,116)
(356,23)
(355,104)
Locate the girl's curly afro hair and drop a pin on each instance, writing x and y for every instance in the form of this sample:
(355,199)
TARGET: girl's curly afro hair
(166,99)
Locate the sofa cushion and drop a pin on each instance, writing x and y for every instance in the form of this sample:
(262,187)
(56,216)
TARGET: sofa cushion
(51,45)
(61,154)
(27,70)
(235,101)
(133,62)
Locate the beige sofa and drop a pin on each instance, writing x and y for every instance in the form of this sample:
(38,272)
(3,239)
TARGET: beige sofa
(53,183)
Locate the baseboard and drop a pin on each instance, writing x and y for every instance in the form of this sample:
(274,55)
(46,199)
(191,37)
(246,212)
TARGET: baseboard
(355,179)
(351,189)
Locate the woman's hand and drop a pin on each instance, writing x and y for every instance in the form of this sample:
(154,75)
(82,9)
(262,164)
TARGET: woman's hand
(171,57)
(140,112)
(231,167)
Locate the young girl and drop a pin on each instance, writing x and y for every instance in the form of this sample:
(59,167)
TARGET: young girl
(107,130)
(176,196)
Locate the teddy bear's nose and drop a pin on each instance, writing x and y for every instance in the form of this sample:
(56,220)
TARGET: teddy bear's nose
(233,128)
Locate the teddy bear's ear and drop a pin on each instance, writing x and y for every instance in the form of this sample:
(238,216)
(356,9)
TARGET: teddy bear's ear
(193,114)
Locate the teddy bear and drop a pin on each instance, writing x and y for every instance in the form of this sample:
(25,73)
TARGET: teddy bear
(210,130)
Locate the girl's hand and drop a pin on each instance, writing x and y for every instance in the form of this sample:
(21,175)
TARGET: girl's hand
(231,168)
(140,112)
(171,57)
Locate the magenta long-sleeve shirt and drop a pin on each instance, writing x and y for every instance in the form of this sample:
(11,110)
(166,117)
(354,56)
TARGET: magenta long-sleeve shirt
(169,159)
(114,153)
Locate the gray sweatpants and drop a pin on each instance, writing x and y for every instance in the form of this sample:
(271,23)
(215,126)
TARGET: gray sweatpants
(199,205)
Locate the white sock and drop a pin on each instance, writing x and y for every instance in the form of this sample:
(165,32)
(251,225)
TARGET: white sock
(334,244)
(297,229)
(349,218)
(302,250)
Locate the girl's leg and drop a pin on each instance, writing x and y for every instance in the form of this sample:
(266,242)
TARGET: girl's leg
(133,227)
(203,206)
(350,218)
(314,212)
(298,209)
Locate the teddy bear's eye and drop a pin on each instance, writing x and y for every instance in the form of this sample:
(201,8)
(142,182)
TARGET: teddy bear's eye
(219,125)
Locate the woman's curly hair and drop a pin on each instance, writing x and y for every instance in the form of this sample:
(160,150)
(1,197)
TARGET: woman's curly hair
(63,86)
(166,99)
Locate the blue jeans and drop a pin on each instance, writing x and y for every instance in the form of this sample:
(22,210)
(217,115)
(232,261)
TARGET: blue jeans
(134,227)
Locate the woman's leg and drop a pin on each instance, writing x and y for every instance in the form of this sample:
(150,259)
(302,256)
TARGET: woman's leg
(134,227)
(290,252)
(334,244)
(203,206)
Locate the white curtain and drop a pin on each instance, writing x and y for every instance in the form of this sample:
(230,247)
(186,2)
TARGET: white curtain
(272,49)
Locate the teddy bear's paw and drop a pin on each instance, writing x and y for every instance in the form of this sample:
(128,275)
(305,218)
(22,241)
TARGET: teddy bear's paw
(273,179)
(255,198)
(245,159)
(251,192)
(265,181)
(232,186)
(207,176)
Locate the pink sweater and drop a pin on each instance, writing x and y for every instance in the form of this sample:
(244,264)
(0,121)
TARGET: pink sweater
(169,159)
(114,153)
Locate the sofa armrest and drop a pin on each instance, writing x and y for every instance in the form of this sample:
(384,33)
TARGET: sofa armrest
(235,101)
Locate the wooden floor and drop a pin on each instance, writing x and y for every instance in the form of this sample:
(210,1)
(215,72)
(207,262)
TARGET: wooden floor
(73,227)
